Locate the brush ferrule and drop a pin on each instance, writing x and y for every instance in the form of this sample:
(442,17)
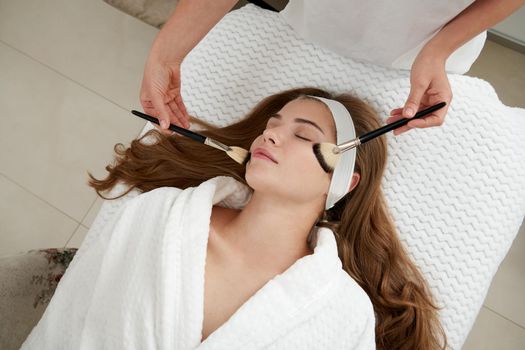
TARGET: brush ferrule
(216,144)
(347,145)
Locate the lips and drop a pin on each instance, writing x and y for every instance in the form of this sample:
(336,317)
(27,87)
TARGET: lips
(264,152)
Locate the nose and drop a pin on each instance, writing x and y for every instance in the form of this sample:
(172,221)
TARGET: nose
(270,135)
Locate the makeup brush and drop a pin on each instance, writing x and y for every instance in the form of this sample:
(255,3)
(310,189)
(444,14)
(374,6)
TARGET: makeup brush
(238,154)
(328,154)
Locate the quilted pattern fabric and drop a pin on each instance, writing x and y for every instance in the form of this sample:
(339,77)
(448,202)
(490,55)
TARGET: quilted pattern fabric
(456,192)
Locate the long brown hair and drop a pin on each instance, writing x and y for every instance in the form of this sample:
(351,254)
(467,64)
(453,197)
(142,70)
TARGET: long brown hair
(368,245)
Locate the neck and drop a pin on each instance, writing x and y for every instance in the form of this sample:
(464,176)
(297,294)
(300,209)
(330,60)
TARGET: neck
(270,233)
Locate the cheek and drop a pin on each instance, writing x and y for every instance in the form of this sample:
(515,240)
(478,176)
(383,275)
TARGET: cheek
(305,159)
(305,168)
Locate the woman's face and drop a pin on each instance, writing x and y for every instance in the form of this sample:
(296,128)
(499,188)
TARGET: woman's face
(297,176)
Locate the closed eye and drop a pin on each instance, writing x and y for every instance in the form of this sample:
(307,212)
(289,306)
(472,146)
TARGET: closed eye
(302,138)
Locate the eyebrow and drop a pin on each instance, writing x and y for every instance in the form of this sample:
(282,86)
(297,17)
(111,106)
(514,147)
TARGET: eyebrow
(300,120)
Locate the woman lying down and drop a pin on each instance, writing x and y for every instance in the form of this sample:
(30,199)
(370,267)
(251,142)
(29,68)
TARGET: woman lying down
(276,254)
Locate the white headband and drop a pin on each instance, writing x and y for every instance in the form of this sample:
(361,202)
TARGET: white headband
(342,175)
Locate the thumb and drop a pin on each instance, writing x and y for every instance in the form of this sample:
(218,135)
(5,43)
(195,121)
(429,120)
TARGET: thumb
(163,111)
(413,100)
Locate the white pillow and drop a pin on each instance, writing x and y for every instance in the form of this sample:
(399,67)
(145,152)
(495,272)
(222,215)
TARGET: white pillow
(457,192)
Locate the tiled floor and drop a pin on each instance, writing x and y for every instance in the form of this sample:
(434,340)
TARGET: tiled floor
(71,72)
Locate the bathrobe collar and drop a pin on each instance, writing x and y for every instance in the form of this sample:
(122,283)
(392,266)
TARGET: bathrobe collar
(278,306)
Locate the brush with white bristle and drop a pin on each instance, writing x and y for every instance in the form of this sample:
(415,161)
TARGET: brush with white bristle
(328,154)
(238,154)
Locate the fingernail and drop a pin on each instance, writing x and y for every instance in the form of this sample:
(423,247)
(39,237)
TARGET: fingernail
(164,124)
(409,112)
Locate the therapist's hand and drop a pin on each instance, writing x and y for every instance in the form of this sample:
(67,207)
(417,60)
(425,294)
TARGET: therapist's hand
(160,94)
(428,86)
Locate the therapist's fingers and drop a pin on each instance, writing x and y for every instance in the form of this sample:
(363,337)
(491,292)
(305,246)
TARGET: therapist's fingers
(439,92)
(417,90)
(182,107)
(155,106)
(423,122)
(173,100)
(395,116)
(180,119)
(396,111)
(176,103)
(164,112)
(433,119)
(155,91)
(148,109)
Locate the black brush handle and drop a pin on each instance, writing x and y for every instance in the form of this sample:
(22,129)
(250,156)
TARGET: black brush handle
(177,129)
(399,123)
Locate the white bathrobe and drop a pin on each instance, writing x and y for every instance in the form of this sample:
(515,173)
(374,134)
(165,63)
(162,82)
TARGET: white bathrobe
(140,285)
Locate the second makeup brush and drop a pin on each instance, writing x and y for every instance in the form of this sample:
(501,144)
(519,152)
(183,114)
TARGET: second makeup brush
(328,154)
(238,154)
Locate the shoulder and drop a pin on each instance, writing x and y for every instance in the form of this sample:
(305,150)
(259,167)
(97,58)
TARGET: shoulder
(347,319)
(350,299)
(162,192)
(157,197)
(355,299)
(359,311)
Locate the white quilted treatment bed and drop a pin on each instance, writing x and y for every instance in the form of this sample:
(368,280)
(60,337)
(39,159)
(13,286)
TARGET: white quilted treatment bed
(457,192)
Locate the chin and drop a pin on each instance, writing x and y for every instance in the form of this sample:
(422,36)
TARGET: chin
(260,180)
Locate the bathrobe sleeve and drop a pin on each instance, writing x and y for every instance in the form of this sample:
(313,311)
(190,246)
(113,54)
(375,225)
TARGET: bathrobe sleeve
(85,311)
(367,339)
(358,321)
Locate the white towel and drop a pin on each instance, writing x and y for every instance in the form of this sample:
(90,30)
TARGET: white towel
(139,284)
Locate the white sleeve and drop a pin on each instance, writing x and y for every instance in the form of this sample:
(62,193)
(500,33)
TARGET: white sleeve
(367,339)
